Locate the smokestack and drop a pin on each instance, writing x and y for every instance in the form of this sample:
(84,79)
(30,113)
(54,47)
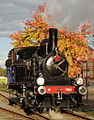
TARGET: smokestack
(53,38)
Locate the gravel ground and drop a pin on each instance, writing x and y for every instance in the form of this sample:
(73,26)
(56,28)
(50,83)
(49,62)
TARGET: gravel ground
(4,116)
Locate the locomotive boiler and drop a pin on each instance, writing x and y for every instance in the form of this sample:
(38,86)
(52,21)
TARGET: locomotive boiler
(39,74)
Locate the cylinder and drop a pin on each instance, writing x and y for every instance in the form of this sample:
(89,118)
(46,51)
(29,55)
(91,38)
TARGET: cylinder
(53,38)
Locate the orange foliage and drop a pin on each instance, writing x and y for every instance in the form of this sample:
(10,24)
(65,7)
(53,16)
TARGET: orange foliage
(72,45)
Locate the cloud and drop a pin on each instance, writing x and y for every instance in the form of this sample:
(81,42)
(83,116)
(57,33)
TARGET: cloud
(70,13)
(2,63)
(14,12)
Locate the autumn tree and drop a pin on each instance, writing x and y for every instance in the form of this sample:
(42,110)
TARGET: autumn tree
(35,31)
(72,45)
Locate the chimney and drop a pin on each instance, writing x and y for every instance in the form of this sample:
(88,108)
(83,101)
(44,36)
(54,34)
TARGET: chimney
(53,38)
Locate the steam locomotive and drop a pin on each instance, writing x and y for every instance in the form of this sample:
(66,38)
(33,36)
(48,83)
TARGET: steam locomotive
(39,75)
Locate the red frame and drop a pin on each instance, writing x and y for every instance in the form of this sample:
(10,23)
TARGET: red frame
(55,89)
(64,89)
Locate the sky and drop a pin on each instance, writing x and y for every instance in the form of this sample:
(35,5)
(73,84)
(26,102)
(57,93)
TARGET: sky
(65,13)
(5,46)
(12,15)
(70,13)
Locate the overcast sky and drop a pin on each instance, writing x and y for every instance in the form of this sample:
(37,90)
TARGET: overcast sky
(14,12)
(64,12)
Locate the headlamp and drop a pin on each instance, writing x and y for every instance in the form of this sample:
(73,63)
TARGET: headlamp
(40,81)
(41,90)
(79,81)
(82,90)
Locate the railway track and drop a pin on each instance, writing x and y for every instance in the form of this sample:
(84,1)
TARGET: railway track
(79,114)
(5,94)
(34,116)
(37,116)
(9,92)
(15,113)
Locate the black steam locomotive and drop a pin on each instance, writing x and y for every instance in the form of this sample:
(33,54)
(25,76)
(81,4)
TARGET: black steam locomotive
(39,74)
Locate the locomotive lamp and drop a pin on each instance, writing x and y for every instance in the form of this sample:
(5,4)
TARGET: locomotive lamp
(79,81)
(41,90)
(82,90)
(40,81)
